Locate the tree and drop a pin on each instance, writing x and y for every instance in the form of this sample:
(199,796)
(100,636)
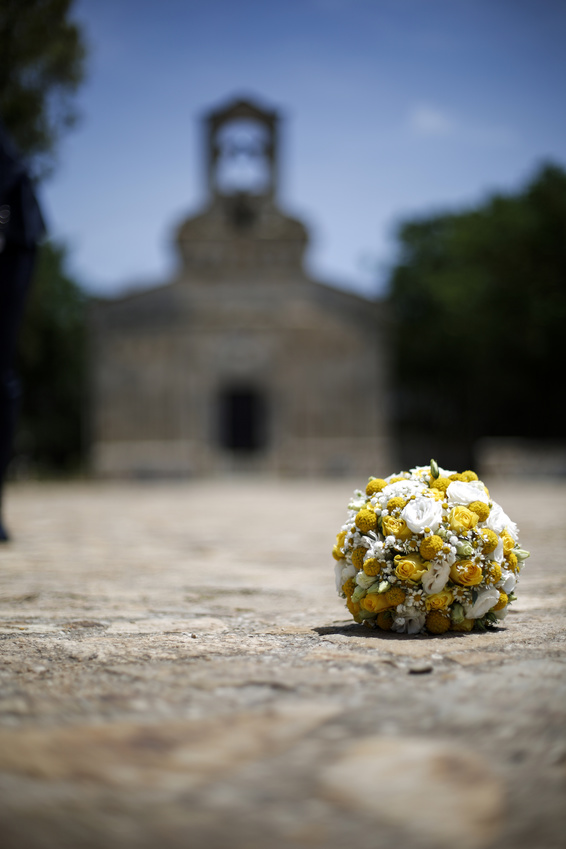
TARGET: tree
(479,306)
(52,365)
(42,63)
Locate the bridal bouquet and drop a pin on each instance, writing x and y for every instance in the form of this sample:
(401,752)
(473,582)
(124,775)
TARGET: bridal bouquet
(427,551)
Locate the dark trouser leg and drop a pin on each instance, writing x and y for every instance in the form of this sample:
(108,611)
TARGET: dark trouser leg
(16,267)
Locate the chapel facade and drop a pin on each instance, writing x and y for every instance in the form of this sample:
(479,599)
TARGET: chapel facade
(241,362)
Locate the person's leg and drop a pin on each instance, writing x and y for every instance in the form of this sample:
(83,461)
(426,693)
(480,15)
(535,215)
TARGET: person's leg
(16,267)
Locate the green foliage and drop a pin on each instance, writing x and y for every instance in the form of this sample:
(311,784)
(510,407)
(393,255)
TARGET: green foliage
(479,306)
(42,57)
(52,367)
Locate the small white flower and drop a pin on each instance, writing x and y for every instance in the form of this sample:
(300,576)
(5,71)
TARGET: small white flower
(375,548)
(404,488)
(399,625)
(357,501)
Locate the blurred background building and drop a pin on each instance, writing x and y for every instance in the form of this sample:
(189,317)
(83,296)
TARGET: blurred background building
(424,146)
(242,361)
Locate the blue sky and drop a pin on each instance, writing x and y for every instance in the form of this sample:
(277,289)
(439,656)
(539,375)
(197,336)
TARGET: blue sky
(391,108)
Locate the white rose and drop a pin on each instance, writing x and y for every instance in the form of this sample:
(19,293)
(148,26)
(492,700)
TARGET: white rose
(509,582)
(497,553)
(422,513)
(414,620)
(501,614)
(464,492)
(498,520)
(399,625)
(434,580)
(484,602)
(347,571)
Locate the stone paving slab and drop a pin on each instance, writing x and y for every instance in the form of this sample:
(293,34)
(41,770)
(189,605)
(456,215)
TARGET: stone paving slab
(176,670)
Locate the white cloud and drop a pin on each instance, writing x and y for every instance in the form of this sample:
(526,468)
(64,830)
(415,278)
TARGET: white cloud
(426,120)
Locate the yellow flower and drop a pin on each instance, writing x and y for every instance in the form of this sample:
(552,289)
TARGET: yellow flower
(396,527)
(378,602)
(337,551)
(366,520)
(480,509)
(492,572)
(396,503)
(410,567)
(349,587)
(466,573)
(395,596)
(375,485)
(457,476)
(372,566)
(439,601)
(508,543)
(437,494)
(437,622)
(384,620)
(463,625)
(358,555)
(354,608)
(430,546)
(503,601)
(395,480)
(461,519)
(442,484)
(469,476)
(489,540)
(511,561)
(373,603)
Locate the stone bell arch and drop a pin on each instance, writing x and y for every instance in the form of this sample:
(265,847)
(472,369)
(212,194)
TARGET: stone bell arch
(265,147)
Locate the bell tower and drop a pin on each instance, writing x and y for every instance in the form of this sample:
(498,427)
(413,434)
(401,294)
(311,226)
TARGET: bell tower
(241,142)
(241,229)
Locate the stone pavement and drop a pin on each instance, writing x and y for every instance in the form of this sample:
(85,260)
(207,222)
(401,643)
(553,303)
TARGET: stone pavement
(177,671)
